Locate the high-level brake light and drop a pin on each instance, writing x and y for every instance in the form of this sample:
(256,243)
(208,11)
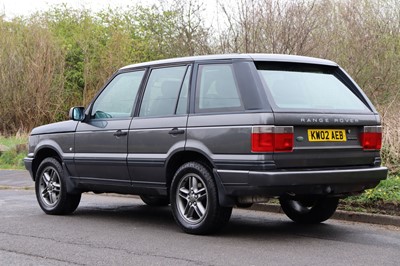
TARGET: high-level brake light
(272,139)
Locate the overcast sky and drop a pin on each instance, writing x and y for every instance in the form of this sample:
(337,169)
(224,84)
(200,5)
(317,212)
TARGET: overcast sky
(13,8)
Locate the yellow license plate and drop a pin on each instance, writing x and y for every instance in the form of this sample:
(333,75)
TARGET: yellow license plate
(322,135)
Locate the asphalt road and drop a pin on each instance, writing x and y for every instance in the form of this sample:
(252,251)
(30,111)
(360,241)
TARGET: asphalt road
(113,230)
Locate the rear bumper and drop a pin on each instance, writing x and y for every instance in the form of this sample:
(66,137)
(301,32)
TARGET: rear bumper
(275,183)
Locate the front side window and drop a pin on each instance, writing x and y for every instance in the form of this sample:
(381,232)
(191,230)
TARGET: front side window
(162,91)
(118,98)
(308,87)
(217,89)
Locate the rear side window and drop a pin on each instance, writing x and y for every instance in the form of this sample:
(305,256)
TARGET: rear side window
(297,86)
(217,90)
(183,96)
(163,90)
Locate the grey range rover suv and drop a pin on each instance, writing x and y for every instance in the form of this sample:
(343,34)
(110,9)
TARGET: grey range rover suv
(206,133)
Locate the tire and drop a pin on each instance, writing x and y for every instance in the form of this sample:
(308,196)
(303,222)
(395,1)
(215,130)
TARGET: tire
(155,201)
(51,189)
(194,201)
(309,211)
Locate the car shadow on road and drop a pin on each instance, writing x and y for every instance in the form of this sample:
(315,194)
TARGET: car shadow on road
(272,229)
(258,226)
(134,214)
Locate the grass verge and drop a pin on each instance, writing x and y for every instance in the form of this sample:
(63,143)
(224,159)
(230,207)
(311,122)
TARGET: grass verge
(12,152)
(383,199)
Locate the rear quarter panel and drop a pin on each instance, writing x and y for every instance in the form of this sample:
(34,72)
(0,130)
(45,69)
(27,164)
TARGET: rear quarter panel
(226,139)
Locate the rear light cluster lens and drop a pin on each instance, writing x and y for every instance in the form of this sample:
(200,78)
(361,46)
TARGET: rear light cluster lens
(272,139)
(371,138)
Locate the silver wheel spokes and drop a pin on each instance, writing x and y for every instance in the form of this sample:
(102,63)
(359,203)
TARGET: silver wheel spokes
(50,187)
(192,198)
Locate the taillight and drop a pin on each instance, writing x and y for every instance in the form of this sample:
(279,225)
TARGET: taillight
(371,138)
(272,139)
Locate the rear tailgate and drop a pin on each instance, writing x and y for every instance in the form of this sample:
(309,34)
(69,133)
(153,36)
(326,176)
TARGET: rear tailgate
(326,111)
(326,141)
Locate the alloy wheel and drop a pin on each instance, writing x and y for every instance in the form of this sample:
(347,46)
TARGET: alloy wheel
(50,187)
(192,198)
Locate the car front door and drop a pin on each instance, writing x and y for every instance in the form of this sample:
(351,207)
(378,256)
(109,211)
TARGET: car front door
(101,140)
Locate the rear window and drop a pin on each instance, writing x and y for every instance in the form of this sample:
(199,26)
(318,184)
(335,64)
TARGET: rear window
(302,86)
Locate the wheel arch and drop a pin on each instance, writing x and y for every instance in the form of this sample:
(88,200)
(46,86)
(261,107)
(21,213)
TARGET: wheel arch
(179,158)
(47,152)
(41,154)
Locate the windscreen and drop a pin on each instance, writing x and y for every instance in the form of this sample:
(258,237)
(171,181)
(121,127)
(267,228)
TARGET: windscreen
(302,86)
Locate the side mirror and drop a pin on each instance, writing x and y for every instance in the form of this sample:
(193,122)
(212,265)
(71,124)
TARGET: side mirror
(77,113)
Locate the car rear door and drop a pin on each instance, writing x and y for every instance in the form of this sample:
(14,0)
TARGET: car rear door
(159,129)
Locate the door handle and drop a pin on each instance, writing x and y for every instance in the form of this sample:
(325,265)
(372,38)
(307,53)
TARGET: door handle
(176,131)
(119,133)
